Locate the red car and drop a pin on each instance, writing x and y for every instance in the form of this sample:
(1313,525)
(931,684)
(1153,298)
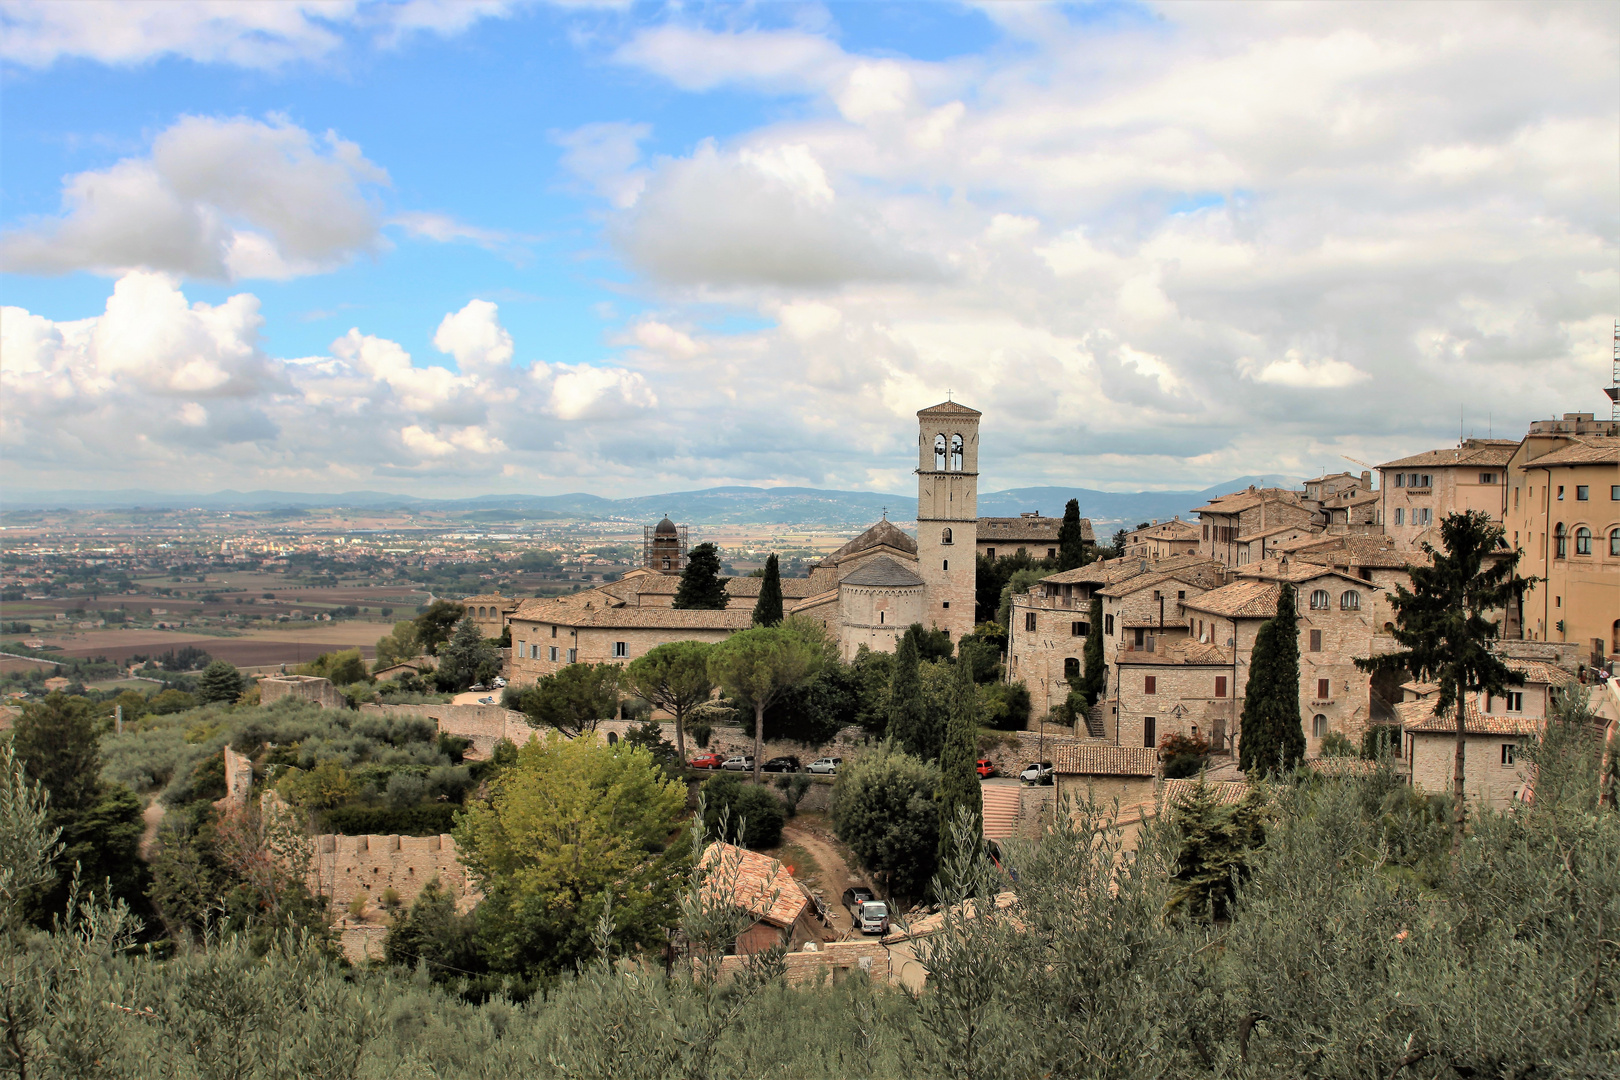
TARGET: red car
(986,768)
(707,761)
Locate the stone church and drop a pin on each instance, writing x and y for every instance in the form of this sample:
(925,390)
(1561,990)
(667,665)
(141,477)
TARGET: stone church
(866,593)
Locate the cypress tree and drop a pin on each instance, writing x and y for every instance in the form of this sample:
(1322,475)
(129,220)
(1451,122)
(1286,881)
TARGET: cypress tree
(768,608)
(1094,681)
(701,587)
(1071,541)
(1273,738)
(906,716)
(958,760)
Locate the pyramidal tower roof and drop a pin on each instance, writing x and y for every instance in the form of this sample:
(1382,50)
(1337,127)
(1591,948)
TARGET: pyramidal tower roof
(949,408)
(884,534)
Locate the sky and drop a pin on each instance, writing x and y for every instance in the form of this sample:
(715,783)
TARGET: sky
(455,248)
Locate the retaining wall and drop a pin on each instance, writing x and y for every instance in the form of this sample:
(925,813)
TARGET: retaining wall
(831,963)
(310,688)
(485,725)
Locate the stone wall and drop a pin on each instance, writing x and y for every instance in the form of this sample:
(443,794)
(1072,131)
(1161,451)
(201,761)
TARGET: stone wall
(1565,654)
(485,725)
(238,780)
(345,866)
(316,691)
(830,963)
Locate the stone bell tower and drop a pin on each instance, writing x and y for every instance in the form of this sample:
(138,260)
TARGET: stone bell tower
(948,514)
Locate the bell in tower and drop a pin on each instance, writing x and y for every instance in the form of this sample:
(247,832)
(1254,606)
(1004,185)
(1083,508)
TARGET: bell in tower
(948,513)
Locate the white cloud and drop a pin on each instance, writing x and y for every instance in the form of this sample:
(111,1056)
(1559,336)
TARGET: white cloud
(222,199)
(243,33)
(475,337)
(698,59)
(585,392)
(1299,373)
(605,156)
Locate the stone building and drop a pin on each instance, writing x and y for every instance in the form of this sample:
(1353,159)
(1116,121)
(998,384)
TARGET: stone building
(1228,524)
(865,593)
(1162,540)
(761,886)
(489,611)
(310,688)
(1182,688)
(664,547)
(1563,512)
(1027,534)
(1417,492)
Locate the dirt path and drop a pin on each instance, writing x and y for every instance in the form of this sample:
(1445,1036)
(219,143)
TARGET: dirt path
(835,875)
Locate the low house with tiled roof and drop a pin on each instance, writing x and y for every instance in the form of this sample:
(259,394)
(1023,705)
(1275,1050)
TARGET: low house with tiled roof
(1162,540)
(1418,491)
(1102,773)
(781,907)
(1184,687)
(1027,534)
(1226,519)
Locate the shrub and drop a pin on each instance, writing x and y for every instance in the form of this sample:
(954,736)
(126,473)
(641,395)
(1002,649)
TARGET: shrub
(753,816)
(1336,744)
(420,819)
(1183,755)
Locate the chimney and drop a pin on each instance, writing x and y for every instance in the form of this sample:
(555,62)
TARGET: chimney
(1366,480)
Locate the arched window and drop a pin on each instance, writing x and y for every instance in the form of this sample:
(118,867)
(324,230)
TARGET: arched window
(945,536)
(613,738)
(1614,542)
(956,453)
(939,453)
(1320,600)
(1071,667)
(1318,726)
(1560,542)
(1583,541)
(1350,601)
(481,614)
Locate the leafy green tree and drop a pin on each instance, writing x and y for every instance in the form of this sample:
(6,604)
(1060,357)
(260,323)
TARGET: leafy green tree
(768,608)
(752,817)
(959,786)
(1071,538)
(673,676)
(572,826)
(28,841)
(342,668)
(757,666)
(467,658)
(166,702)
(1095,679)
(906,708)
(575,699)
(220,682)
(884,809)
(1272,734)
(397,646)
(814,711)
(1443,624)
(101,824)
(982,651)
(871,673)
(435,625)
(1005,706)
(701,586)
(1017,584)
(434,935)
(1117,549)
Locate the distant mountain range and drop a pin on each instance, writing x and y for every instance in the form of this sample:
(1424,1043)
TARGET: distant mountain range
(793,506)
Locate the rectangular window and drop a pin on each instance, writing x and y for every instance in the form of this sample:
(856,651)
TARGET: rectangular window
(990,553)
(1614,493)
(1428,481)
(573,656)
(1400,479)
(1324,689)
(1515,701)
(553,631)
(1029,621)
(1139,632)
(1181,594)
(1077,629)
(946,604)
(1206,524)
(621,649)
(522,650)
(1426,516)
(1507,753)
(1150,731)
(1316,641)
(1108,625)
(1400,516)
(1051,553)
(1150,684)
(552,654)
(1487,478)
(1560,492)
(1220,686)
(1582,493)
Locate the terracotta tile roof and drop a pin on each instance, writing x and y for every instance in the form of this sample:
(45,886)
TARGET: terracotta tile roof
(1538,671)
(883,534)
(1113,571)
(883,572)
(756,883)
(1013,529)
(1103,759)
(1419,716)
(1169,651)
(1175,529)
(1342,766)
(748,587)
(930,924)
(1586,450)
(1246,599)
(1184,576)
(1227,792)
(1421,689)
(1306,527)
(1296,571)
(1239,501)
(600,608)
(1474,452)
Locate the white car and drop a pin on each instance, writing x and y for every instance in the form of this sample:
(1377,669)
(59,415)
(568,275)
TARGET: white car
(500,683)
(826,765)
(1037,773)
(740,763)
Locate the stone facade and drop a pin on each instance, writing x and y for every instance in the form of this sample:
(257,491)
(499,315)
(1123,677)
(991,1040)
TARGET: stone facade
(1183,688)
(485,725)
(1229,524)
(1162,540)
(488,612)
(345,866)
(1417,492)
(1027,534)
(948,514)
(310,688)
(829,963)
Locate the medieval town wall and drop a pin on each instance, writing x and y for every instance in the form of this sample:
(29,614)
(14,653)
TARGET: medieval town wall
(310,688)
(485,725)
(345,866)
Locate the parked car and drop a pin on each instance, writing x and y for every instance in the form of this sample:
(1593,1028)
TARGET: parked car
(986,768)
(740,763)
(871,915)
(783,764)
(707,761)
(827,765)
(1037,773)
(500,683)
